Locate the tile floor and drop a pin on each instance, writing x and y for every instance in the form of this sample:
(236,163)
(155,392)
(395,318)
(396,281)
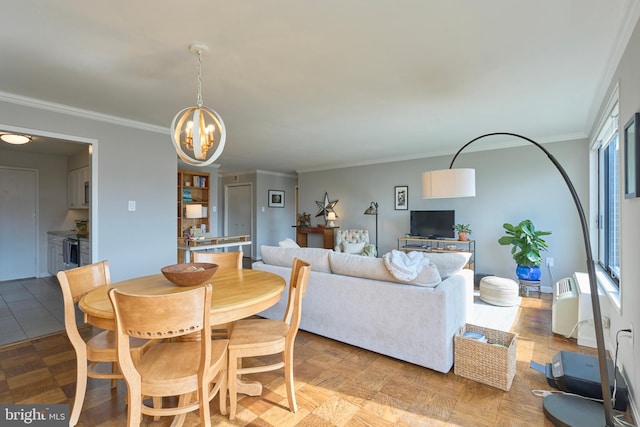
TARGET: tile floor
(30,308)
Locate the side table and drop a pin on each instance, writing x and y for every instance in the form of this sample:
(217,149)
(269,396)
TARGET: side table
(525,285)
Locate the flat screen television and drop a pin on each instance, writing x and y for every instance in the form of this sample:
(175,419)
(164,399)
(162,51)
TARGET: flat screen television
(433,224)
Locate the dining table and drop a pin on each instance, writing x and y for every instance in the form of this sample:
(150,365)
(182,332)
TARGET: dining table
(237,293)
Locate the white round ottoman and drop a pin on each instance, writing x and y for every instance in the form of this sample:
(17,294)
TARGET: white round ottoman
(499,291)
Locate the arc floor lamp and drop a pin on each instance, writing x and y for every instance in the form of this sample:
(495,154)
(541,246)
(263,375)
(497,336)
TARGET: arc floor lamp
(560,409)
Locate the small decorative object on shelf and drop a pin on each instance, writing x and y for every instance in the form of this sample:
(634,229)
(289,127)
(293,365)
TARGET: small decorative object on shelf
(304,219)
(463,231)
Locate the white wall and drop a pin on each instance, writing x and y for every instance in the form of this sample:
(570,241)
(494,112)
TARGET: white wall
(626,76)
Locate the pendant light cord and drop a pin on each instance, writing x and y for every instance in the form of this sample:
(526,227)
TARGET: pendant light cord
(200,79)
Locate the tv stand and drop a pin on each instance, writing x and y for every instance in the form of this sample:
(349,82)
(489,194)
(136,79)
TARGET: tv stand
(442,245)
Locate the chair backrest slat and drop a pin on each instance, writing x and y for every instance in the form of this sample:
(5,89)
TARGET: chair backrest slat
(223,259)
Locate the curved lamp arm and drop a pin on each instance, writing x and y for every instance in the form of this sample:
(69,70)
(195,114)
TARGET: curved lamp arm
(602,357)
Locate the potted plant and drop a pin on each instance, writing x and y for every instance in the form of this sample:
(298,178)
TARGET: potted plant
(527,244)
(463,231)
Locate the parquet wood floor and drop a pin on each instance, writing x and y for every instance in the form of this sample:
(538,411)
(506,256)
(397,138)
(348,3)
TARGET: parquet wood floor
(336,385)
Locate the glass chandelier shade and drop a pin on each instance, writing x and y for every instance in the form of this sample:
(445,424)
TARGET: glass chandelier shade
(198,133)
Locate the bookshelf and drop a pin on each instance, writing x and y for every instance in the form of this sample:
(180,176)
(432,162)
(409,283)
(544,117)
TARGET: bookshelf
(193,190)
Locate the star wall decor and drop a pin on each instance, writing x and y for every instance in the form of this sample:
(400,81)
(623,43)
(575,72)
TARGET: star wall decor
(326,206)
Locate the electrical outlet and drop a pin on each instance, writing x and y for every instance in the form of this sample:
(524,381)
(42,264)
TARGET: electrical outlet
(632,335)
(549,261)
(606,322)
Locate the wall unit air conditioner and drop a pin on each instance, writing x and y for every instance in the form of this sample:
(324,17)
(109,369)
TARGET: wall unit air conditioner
(564,309)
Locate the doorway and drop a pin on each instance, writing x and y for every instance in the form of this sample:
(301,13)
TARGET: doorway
(18,223)
(238,207)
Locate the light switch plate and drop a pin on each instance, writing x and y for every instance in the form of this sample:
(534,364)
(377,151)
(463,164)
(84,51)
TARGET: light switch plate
(132,205)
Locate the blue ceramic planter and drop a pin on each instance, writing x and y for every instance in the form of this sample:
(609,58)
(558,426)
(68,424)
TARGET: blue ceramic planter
(528,273)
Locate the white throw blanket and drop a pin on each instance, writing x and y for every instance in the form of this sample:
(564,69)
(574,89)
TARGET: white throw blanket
(405,266)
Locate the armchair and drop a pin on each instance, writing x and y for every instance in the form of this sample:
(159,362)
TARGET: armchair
(354,242)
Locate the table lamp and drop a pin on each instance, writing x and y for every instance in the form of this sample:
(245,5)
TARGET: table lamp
(331,217)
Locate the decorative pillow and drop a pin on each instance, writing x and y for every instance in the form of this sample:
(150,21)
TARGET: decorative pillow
(449,263)
(317,257)
(288,243)
(353,248)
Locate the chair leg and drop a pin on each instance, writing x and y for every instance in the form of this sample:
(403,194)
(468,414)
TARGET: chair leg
(233,383)
(134,408)
(203,399)
(114,370)
(224,376)
(81,390)
(157,404)
(183,400)
(288,378)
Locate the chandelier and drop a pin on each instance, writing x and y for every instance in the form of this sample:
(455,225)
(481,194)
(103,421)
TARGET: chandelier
(198,133)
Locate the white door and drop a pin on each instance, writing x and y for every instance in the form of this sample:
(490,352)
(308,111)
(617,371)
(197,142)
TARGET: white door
(18,223)
(238,210)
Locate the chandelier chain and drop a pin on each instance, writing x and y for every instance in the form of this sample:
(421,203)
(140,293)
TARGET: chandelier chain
(200,78)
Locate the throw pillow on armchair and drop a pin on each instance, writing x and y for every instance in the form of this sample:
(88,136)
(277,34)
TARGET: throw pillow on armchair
(354,242)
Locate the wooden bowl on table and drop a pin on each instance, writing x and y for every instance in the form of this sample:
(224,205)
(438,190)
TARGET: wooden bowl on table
(189,274)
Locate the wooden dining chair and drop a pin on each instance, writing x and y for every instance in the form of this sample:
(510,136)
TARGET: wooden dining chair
(223,259)
(75,283)
(170,367)
(263,337)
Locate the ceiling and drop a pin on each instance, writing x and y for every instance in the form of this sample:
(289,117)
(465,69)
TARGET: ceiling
(305,85)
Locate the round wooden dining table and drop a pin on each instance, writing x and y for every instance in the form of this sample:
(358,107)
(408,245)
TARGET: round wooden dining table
(237,293)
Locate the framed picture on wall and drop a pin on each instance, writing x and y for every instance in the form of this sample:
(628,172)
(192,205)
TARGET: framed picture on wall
(276,199)
(401,197)
(632,157)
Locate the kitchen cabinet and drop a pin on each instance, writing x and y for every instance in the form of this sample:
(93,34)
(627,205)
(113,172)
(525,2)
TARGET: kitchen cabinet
(85,252)
(55,260)
(78,188)
(193,191)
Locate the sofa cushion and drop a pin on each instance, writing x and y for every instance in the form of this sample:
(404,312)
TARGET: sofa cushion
(374,268)
(317,257)
(449,263)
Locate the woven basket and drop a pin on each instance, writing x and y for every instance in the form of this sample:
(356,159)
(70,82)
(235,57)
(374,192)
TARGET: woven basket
(484,362)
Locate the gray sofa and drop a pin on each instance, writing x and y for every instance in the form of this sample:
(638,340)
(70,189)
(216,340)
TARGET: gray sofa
(356,300)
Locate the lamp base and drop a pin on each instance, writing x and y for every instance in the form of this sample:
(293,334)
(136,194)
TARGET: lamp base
(564,410)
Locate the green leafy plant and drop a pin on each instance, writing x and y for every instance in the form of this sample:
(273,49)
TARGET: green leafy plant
(462,228)
(527,243)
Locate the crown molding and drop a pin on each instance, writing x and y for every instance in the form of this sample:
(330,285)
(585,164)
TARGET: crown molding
(78,112)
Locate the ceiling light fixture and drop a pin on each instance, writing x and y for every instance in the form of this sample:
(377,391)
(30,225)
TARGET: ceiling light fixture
(15,139)
(199,129)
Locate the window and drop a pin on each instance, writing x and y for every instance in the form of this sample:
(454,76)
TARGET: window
(608,147)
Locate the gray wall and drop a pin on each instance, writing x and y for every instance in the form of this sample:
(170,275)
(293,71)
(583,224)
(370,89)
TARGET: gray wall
(132,164)
(511,184)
